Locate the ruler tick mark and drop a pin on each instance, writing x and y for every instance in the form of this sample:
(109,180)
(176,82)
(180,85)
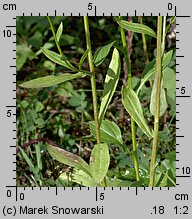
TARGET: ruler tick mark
(183,176)
(183,16)
(95,10)
(10,26)
(183,96)
(96,193)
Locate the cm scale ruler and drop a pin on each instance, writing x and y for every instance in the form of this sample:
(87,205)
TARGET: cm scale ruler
(95,202)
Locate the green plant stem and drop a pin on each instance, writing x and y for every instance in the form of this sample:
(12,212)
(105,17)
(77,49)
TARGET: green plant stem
(164,35)
(93,81)
(54,35)
(158,90)
(133,133)
(144,43)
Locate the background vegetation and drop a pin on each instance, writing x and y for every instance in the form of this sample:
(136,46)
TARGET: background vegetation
(61,113)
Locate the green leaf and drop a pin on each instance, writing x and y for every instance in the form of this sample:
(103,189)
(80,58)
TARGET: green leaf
(110,132)
(83,58)
(54,57)
(172,20)
(111,82)
(39,106)
(99,162)
(51,80)
(59,32)
(136,27)
(101,54)
(163,101)
(114,182)
(68,158)
(132,104)
(79,177)
(23,52)
(169,83)
(150,69)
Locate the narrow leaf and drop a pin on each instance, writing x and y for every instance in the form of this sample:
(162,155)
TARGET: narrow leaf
(59,32)
(163,101)
(68,158)
(111,82)
(150,69)
(172,20)
(51,80)
(136,27)
(101,54)
(110,132)
(99,162)
(132,104)
(83,58)
(54,57)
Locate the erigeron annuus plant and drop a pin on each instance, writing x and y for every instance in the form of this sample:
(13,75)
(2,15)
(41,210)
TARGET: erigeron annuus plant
(106,132)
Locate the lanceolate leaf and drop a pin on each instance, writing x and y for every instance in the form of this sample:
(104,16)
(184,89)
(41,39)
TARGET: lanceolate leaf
(172,20)
(99,162)
(83,58)
(51,80)
(136,27)
(59,32)
(53,56)
(110,132)
(163,101)
(132,104)
(68,158)
(111,82)
(169,83)
(150,69)
(101,54)
(79,177)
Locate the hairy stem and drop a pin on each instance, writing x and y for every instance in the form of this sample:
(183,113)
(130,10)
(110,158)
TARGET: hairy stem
(158,90)
(133,133)
(93,81)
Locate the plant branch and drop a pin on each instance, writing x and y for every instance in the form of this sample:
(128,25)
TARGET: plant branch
(93,81)
(133,132)
(158,90)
